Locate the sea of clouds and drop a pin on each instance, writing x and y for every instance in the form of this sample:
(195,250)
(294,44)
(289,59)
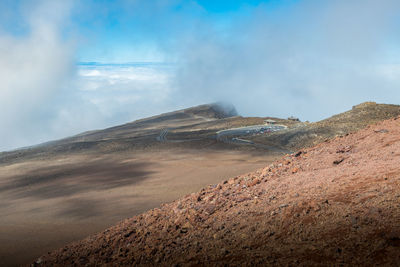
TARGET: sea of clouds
(96,96)
(122,92)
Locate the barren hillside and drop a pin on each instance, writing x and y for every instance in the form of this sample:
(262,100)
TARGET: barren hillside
(302,135)
(195,125)
(77,186)
(65,190)
(335,204)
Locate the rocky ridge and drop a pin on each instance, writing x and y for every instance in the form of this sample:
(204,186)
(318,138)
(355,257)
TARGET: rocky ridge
(335,204)
(302,135)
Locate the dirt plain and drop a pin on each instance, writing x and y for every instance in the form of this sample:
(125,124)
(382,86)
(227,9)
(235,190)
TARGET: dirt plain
(46,204)
(336,204)
(65,190)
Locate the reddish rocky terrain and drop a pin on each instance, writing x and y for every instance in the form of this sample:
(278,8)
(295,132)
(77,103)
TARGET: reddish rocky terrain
(65,190)
(337,203)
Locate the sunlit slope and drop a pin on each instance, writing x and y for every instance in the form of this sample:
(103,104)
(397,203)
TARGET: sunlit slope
(308,134)
(335,204)
(200,123)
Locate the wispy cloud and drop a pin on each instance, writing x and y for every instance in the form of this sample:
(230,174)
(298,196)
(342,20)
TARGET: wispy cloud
(35,69)
(306,58)
(311,59)
(123,92)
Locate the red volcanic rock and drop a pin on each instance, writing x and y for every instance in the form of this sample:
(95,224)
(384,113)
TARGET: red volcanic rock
(301,210)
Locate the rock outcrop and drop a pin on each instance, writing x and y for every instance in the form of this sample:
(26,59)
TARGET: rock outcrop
(336,204)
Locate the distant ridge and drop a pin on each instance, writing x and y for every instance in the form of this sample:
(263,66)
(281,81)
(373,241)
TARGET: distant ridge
(309,134)
(140,132)
(124,64)
(335,204)
(201,123)
(218,110)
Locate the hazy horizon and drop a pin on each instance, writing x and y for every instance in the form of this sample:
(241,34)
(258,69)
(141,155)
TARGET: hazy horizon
(72,66)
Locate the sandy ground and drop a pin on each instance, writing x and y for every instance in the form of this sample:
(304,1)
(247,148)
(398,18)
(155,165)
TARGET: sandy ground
(336,204)
(45,204)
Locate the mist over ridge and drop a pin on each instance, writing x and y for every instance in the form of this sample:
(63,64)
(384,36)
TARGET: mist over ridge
(310,59)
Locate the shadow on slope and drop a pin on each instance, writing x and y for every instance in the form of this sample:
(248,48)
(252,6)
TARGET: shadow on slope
(71,179)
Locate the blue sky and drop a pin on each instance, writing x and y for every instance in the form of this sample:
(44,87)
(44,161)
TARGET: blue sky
(121,31)
(307,58)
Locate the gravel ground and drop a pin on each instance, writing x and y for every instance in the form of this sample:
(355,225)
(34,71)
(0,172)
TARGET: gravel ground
(336,204)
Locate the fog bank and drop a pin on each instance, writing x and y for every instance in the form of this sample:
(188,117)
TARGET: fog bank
(311,59)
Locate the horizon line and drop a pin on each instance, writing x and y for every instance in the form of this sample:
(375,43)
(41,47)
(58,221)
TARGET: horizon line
(98,63)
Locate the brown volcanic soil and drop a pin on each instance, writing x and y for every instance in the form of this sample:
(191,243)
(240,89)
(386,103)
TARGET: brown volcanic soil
(192,128)
(46,204)
(334,204)
(65,190)
(300,135)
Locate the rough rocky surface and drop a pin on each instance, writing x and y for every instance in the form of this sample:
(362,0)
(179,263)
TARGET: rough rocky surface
(336,204)
(189,128)
(301,135)
(65,190)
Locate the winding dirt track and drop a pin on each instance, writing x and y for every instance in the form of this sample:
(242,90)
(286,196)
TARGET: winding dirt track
(163,136)
(337,204)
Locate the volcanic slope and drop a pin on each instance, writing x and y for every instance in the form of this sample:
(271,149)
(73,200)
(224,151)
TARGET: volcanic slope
(77,186)
(65,190)
(139,134)
(337,203)
(300,135)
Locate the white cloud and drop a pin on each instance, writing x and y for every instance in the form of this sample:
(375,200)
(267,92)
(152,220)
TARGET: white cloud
(45,96)
(311,59)
(122,93)
(34,68)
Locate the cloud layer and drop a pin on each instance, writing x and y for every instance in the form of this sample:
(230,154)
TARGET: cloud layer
(35,69)
(306,58)
(120,93)
(311,59)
